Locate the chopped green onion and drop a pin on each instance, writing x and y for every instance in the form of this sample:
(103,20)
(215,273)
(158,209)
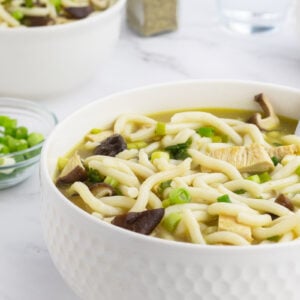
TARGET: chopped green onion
(239,192)
(10,131)
(21,132)
(94,176)
(160,128)
(34,138)
(254,178)
(274,238)
(3,120)
(12,144)
(206,131)
(275,160)
(297,171)
(61,163)
(159,154)
(179,151)
(4,149)
(8,122)
(3,140)
(216,139)
(29,3)
(136,145)
(111,181)
(171,221)
(264,177)
(179,196)
(163,185)
(225,138)
(21,145)
(18,15)
(224,198)
(57,4)
(165,203)
(94,130)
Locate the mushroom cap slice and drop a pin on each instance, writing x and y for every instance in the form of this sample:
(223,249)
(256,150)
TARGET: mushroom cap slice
(285,201)
(78,12)
(111,146)
(141,222)
(101,189)
(73,171)
(34,21)
(271,121)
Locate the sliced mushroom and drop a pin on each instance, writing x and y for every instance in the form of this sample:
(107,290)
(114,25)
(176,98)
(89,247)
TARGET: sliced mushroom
(78,12)
(270,121)
(285,201)
(34,21)
(141,222)
(102,189)
(111,146)
(73,171)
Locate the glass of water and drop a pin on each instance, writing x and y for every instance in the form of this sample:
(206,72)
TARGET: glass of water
(252,16)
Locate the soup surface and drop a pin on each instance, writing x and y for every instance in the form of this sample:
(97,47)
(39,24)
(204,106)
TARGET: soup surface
(206,176)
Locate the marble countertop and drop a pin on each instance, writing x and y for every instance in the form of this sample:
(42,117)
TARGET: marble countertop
(201,48)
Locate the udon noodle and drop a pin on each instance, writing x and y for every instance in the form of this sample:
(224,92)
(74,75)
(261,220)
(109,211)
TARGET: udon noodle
(16,13)
(217,180)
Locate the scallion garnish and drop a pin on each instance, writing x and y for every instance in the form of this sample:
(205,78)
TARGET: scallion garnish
(179,196)
(171,221)
(224,198)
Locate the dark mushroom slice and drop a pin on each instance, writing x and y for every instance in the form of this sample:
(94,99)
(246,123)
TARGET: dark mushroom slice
(78,12)
(141,222)
(35,21)
(102,189)
(270,121)
(111,146)
(73,171)
(285,201)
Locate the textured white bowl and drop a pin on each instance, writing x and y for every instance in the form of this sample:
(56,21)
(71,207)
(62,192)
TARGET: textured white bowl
(102,261)
(43,61)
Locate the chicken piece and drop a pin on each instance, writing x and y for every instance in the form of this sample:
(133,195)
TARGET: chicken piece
(229,223)
(250,159)
(281,151)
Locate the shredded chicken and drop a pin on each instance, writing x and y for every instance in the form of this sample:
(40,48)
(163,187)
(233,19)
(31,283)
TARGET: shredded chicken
(250,159)
(281,151)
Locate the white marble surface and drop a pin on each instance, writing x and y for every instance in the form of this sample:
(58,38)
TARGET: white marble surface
(199,49)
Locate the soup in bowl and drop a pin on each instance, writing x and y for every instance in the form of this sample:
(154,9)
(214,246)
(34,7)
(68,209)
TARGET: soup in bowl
(201,180)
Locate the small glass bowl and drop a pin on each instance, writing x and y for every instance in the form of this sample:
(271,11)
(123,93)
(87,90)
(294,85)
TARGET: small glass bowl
(20,165)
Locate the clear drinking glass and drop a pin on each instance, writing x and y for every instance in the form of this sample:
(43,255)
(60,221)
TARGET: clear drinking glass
(251,16)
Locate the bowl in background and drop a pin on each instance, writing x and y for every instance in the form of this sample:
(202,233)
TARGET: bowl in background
(99,260)
(39,61)
(18,166)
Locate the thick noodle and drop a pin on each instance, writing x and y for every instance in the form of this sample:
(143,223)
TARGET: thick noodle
(225,206)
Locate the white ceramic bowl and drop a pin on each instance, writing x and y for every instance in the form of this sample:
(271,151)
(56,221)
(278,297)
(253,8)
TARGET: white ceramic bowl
(43,61)
(102,261)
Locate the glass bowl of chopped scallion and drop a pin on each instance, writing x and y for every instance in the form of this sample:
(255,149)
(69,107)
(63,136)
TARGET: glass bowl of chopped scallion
(24,125)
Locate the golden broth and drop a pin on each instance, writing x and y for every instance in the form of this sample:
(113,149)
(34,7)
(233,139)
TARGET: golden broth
(287,126)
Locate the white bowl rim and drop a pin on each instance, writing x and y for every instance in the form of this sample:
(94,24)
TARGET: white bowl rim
(77,23)
(184,246)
